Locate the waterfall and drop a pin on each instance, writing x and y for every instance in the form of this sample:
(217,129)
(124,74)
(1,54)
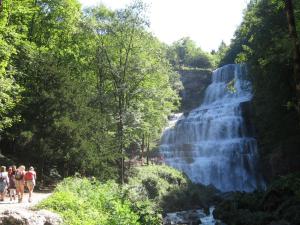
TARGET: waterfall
(214,144)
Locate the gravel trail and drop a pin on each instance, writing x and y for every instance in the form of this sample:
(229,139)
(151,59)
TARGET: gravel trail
(14,205)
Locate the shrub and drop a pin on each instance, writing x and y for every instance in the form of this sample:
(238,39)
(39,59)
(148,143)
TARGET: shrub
(84,202)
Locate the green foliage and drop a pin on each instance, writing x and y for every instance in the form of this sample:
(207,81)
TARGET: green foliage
(81,201)
(150,191)
(147,186)
(184,52)
(134,77)
(9,97)
(164,189)
(83,86)
(230,86)
(13,20)
(155,181)
(279,204)
(219,55)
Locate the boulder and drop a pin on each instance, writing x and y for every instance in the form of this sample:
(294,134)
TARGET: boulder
(28,217)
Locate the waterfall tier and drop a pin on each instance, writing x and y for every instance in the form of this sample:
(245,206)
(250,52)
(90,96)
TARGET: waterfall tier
(214,144)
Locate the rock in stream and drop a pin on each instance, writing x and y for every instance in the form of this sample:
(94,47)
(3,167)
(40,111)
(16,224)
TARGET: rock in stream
(191,217)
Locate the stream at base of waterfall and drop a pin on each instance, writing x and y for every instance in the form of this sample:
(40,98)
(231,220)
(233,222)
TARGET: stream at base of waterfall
(215,143)
(191,217)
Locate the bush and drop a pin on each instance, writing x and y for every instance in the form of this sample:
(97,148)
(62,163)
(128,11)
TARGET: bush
(155,181)
(146,188)
(84,202)
(168,190)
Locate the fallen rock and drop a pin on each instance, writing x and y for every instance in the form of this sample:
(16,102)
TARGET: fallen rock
(29,217)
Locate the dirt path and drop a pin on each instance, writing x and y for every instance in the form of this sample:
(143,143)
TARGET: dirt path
(14,205)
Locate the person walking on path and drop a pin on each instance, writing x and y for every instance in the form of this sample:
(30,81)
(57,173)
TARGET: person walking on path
(20,182)
(30,179)
(12,182)
(4,181)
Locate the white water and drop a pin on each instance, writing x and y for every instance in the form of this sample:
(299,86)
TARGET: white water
(213,145)
(189,216)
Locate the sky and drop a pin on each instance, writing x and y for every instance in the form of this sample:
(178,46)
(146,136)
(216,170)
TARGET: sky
(207,22)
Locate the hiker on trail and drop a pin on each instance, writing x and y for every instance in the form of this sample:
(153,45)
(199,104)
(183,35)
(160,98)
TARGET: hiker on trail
(20,182)
(12,182)
(30,178)
(4,181)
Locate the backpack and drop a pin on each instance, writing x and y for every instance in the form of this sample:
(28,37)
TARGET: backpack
(19,175)
(29,176)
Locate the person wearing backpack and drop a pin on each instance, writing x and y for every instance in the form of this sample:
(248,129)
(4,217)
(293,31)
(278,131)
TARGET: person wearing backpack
(3,182)
(30,178)
(20,182)
(12,182)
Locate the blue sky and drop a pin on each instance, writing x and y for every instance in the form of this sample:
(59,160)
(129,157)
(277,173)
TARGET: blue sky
(207,22)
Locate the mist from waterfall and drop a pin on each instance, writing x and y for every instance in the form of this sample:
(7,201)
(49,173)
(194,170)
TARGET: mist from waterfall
(214,144)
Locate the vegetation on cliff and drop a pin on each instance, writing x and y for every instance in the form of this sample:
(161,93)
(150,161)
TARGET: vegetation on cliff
(194,67)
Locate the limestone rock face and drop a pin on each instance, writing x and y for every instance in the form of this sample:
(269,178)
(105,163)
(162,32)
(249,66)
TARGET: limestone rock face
(194,82)
(28,217)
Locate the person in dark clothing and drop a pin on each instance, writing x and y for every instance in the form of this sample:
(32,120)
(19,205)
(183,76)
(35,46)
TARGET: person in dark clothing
(12,182)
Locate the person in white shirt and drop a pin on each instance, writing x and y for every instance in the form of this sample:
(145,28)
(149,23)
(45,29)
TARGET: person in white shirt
(4,181)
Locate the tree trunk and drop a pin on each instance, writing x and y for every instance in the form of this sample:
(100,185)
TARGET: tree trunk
(120,139)
(143,148)
(32,23)
(148,150)
(66,169)
(296,45)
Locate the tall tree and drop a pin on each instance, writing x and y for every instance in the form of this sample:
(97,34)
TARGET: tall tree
(289,8)
(130,68)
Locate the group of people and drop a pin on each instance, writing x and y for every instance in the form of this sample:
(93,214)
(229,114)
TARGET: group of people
(15,180)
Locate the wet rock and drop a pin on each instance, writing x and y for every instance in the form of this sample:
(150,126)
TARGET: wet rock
(194,82)
(281,222)
(190,217)
(28,217)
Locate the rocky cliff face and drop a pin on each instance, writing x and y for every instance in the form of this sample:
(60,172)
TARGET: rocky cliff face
(194,82)
(28,217)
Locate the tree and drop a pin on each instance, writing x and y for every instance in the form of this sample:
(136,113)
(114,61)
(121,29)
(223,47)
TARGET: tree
(93,84)
(184,52)
(296,48)
(14,17)
(129,70)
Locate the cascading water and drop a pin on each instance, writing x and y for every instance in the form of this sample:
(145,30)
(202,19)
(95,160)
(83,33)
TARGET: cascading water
(213,145)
